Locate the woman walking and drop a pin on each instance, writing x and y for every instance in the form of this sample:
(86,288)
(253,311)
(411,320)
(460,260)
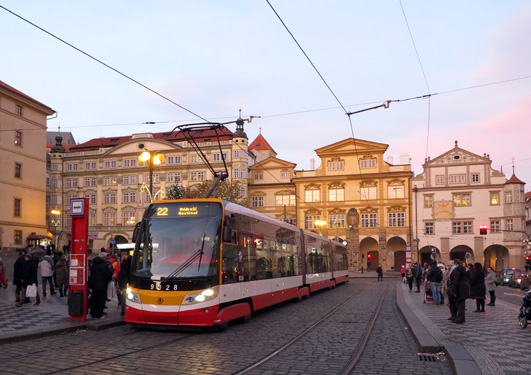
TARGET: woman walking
(477,287)
(491,285)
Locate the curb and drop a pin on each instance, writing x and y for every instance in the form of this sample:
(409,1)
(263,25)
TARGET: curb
(460,359)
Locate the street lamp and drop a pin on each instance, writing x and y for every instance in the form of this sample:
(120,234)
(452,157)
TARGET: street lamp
(152,159)
(56,220)
(320,224)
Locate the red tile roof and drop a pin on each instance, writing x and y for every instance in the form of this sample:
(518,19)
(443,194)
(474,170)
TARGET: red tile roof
(201,135)
(260,144)
(514,180)
(20,93)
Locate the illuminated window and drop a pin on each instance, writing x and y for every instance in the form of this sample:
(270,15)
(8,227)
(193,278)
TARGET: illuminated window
(494,199)
(395,191)
(461,200)
(313,195)
(109,180)
(129,218)
(335,195)
(285,200)
(109,218)
(336,221)
(309,221)
(368,192)
(195,158)
(428,201)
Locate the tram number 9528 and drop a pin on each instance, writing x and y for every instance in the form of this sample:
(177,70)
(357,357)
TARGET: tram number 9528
(167,287)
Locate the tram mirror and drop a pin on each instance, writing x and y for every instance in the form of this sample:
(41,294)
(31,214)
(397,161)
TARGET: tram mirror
(227,234)
(135,231)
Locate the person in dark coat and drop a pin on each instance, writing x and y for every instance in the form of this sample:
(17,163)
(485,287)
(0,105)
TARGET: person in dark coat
(379,271)
(29,277)
(61,274)
(100,275)
(123,279)
(477,287)
(18,274)
(458,292)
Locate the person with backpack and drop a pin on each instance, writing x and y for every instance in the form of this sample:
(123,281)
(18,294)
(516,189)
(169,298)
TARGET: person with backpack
(435,277)
(419,274)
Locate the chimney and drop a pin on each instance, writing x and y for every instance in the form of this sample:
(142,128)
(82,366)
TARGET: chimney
(404,159)
(312,164)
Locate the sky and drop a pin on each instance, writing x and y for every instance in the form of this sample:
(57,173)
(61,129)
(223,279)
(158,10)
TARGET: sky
(470,62)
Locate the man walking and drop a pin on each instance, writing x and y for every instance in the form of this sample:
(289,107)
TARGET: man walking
(458,292)
(46,266)
(417,270)
(100,275)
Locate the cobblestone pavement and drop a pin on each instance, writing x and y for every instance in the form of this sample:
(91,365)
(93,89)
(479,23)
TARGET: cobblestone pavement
(325,350)
(494,338)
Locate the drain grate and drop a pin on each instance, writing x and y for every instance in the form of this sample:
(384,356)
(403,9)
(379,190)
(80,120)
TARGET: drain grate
(432,357)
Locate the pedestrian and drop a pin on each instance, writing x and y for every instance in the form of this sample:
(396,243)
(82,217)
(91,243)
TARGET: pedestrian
(410,277)
(458,292)
(379,271)
(61,274)
(419,274)
(18,274)
(477,287)
(2,266)
(491,285)
(46,266)
(403,274)
(124,277)
(113,260)
(29,277)
(3,281)
(100,276)
(435,278)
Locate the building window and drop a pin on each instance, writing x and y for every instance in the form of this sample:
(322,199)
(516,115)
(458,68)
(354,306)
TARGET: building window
(129,197)
(69,198)
(509,197)
(173,177)
(197,176)
(129,218)
(18,170)
(509,225)
(243,191)
(238,173)
(461,200)
(369,220)
(368,192)
(18,110)
(285,200)
(439,179)
(71,182)
(397,219)
(429,228)
(216,157)
(173,159)
(110,164)
(259,176)
(461,227)
(395,191)
(17,207)
(90,165)
(336,195)
(336,221)
(109,180)
(236,154)
(285,175)
(129,179)
(428,201)
(195,158)
(494,199)
(495,226)
(367,163)
(91,197)
(109,218)
(129,163)
(257,201)
(89,181)
(313,195)
(475,178)
(70,167)
(457,178)
(109,198)
(57,167)
(339,165)
(92,218)
(18,237)
(18,138)
(309,221)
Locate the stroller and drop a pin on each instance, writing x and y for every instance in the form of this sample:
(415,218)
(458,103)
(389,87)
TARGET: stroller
(428,296)
(525,310)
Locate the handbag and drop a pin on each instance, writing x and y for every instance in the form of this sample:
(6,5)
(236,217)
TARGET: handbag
(31,290)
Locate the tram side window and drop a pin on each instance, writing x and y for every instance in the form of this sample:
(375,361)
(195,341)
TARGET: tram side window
(263,265)
(340,259)
(230,264)
(249,261)
(318,260)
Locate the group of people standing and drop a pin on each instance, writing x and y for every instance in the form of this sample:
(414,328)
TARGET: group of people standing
(54,271)
(454,284)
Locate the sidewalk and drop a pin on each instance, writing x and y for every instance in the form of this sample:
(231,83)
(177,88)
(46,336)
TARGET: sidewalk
(487,343)
(49,318)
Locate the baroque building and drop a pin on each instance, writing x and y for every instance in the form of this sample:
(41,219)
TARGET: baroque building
(458,192)
(22,169)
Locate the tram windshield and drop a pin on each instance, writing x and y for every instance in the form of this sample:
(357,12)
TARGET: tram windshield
(178,240)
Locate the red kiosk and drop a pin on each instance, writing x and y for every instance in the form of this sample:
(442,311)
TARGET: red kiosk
(77,298)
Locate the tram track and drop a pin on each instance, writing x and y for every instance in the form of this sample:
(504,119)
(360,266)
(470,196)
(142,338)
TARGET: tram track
(354,357)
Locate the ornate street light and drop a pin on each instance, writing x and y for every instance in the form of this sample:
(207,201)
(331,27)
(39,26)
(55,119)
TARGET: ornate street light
(320,224)
(152,159)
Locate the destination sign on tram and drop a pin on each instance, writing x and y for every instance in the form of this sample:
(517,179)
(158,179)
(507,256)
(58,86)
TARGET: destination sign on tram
(182,210)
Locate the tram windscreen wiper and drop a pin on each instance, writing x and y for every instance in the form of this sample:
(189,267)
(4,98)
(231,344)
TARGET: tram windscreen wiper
(197,254)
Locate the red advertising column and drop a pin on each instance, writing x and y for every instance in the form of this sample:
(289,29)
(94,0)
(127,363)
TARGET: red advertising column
(77,298)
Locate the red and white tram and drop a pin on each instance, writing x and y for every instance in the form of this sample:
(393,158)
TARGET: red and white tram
(205,262)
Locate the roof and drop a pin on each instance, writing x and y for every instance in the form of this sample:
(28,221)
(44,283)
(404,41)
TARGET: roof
(514,180)
(260,144)
(202,135)
(21,94)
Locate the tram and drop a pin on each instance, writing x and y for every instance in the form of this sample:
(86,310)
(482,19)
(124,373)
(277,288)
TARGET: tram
(206,262)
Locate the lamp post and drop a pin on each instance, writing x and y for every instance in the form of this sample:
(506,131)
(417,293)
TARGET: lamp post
(55,222)
(152,159)
(320,224)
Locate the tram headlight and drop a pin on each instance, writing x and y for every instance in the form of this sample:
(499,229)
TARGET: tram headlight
(203,296)
(132,295)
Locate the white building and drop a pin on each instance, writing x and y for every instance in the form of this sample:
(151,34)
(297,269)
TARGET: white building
(456,194)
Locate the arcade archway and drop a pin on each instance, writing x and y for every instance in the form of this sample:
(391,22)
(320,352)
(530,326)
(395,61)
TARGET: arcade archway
(496,257)
(463,253)
(428,254)
(396,250)
(369,253)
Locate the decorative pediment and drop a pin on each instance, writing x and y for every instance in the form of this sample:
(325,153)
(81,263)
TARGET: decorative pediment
(312,187)
(369,210)
(351,146)
(258,194)
(337,211)
(312,212)
(336,185)
(367,157)
(396,182)
(368,183)
(285,192)
(458,156)
(396,209)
